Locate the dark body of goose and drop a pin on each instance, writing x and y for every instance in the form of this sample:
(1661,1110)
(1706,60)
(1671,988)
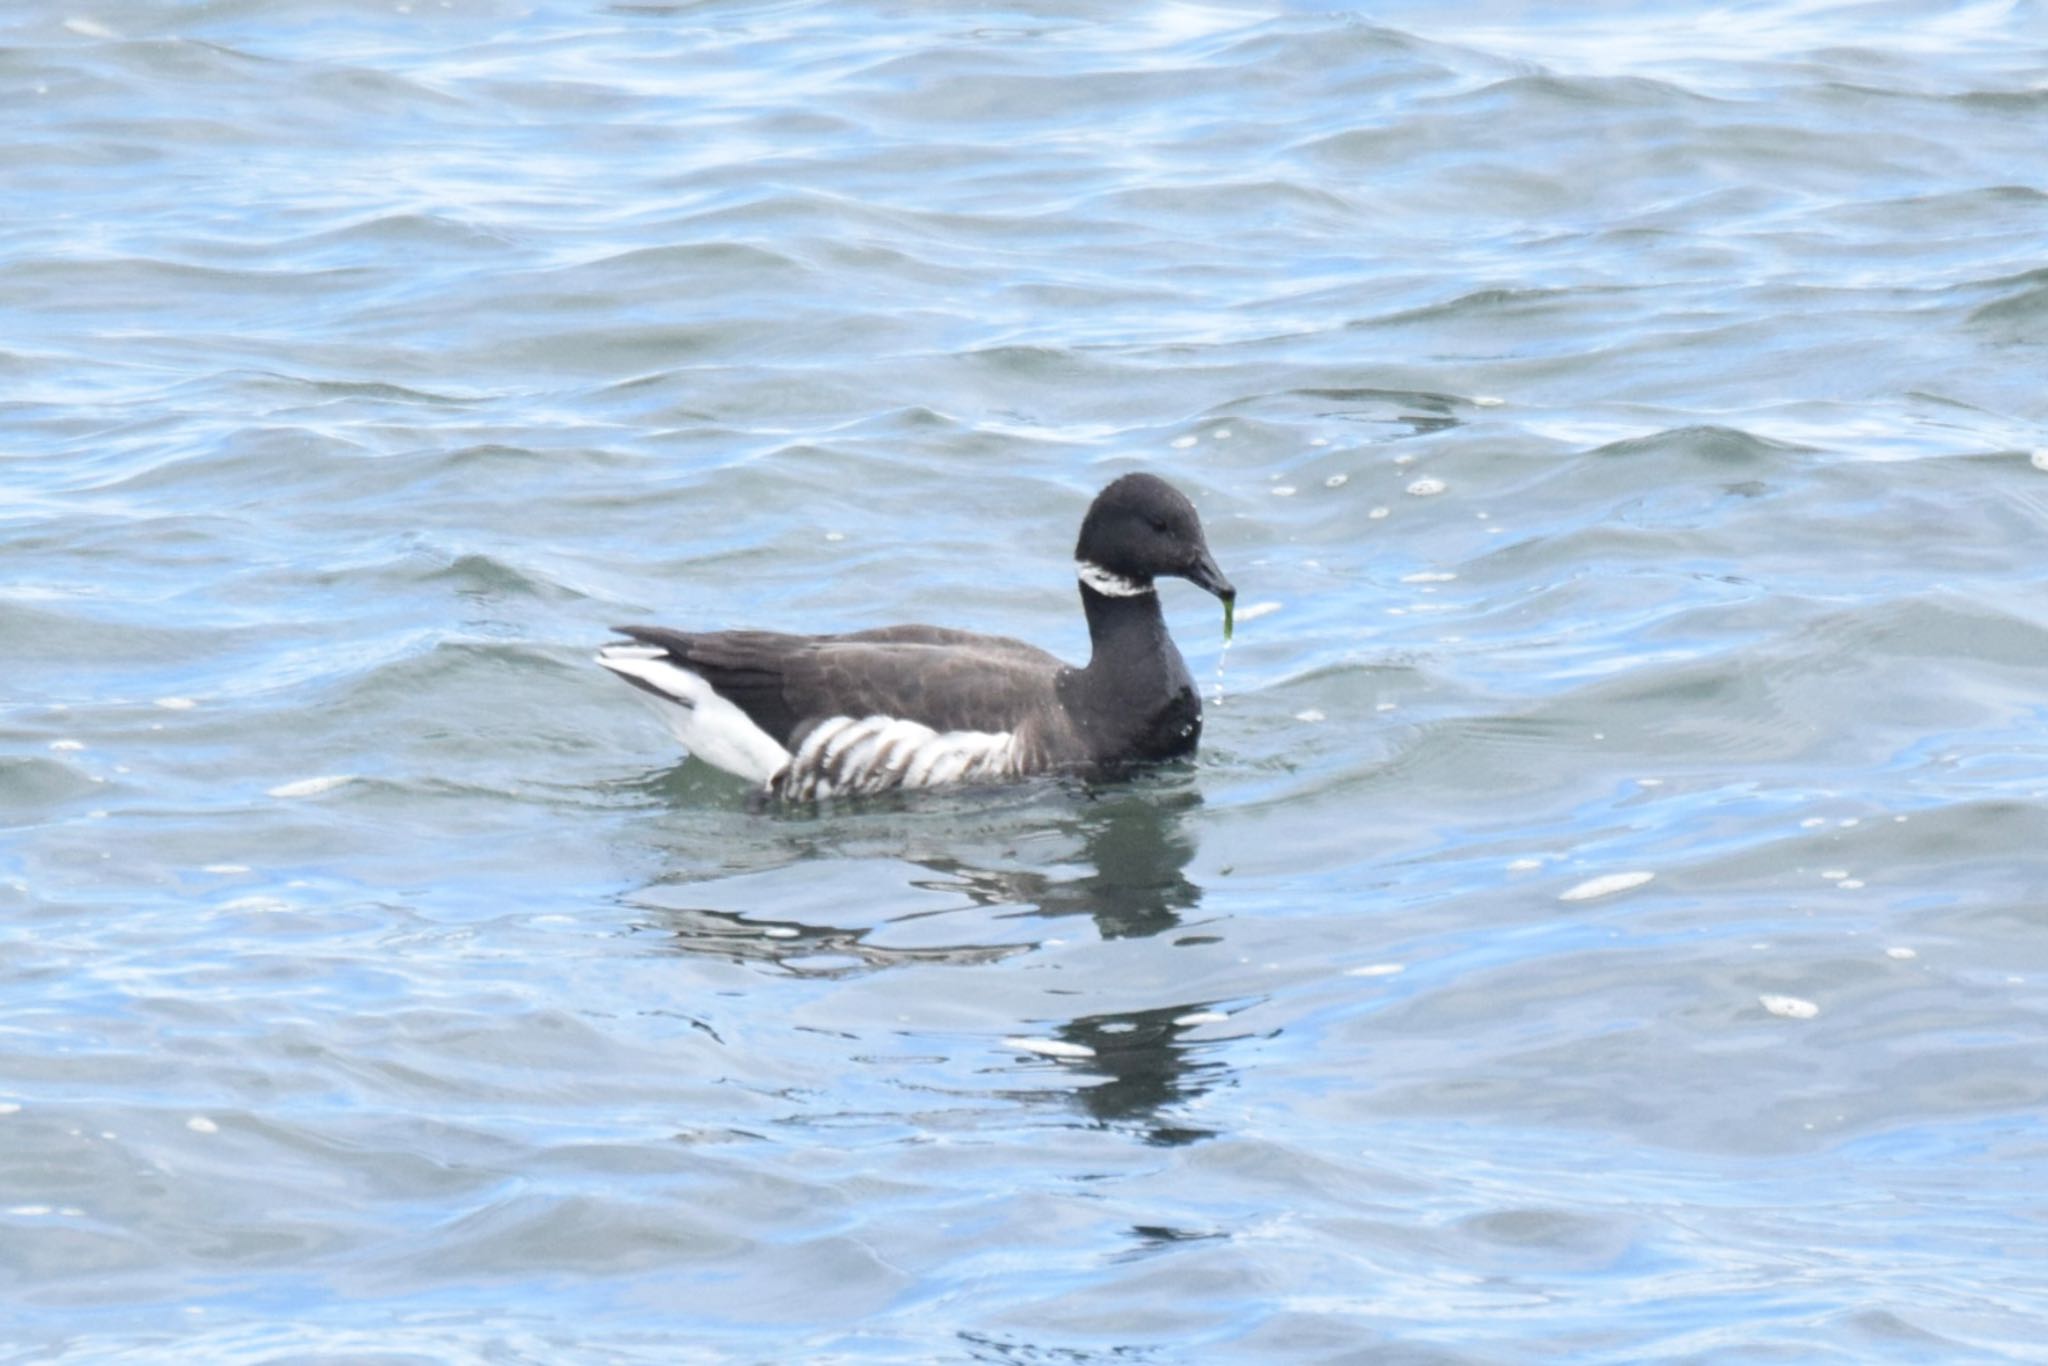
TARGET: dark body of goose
(811,717)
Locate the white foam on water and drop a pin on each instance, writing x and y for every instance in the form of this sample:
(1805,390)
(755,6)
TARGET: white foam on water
(1336,481)
(1051,1048)
(259,903)
(1901,952)
(1378,513)
(200,1124)
(1524,865)
(1310,715)
(1790,1007)
(312,787)
(1257,610)
(225,868)
(1181,443)
(1427,488)
(1201,1017)
(1429,576)
(1607,884)
(1284,490)
(1376,970)
(2039,459)
(177,703)
(67,746)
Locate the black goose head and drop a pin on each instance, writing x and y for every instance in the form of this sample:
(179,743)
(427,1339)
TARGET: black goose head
(1141,528)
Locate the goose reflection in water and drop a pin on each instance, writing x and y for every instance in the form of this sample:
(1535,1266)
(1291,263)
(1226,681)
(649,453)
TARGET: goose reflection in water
(1134,851)
(1137,854)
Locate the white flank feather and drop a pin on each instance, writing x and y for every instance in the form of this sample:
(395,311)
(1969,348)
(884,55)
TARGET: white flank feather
(709,727)
(845,755)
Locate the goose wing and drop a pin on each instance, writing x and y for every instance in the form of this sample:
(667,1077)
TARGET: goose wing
(945,679)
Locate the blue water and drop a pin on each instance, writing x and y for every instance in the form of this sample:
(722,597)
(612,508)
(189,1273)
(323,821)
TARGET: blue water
(1606,920)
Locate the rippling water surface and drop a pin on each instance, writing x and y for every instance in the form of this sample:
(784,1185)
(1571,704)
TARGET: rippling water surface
(1609,918)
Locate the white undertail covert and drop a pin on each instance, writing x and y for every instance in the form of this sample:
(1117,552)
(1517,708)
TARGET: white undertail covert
(708,725)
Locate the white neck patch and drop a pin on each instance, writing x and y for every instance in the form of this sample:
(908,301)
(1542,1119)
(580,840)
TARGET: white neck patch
(1108,584)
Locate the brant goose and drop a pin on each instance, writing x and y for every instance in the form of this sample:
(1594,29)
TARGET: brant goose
(810,717)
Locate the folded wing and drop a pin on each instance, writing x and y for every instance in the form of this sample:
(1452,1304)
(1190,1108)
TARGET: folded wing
(786,684)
